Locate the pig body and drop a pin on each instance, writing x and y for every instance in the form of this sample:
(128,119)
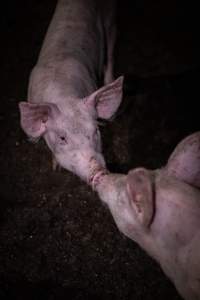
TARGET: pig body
(63,100)
(160,210)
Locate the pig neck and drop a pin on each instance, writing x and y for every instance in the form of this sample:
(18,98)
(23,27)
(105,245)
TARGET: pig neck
(172,231)
(67,80)
(80,82)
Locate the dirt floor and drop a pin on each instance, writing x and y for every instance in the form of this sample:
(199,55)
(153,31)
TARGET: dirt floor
(57,240)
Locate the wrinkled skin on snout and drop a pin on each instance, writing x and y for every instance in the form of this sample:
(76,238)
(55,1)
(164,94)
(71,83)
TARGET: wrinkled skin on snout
(160,210)
(71,131)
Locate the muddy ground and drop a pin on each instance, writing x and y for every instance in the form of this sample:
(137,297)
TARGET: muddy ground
(57,240)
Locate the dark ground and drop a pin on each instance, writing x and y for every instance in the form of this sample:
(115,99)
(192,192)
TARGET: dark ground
(57,240)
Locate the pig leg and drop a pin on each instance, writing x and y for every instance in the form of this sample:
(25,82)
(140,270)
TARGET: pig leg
(110,37)
(108,71)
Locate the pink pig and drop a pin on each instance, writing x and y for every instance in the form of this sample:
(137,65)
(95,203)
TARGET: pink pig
(160,210)
(63,100)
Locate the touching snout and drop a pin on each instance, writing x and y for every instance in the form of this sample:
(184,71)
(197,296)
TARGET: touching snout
(85,164)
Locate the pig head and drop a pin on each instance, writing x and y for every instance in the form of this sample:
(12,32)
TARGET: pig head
(72,134)
(160,210)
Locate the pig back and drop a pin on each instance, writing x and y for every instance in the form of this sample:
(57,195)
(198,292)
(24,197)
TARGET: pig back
(76,32)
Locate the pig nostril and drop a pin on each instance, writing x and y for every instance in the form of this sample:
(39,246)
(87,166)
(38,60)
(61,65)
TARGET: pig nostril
(63,139)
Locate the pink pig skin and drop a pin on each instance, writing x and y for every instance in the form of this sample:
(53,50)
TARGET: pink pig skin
(63,100)
(160,210)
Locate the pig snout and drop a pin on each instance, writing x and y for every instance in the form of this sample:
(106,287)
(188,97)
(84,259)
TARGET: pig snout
(97,172)
(71,129)
(85,164)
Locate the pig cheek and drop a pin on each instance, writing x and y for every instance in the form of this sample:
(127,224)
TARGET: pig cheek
(124,216)
(133,217)
(66,160)
(73,161)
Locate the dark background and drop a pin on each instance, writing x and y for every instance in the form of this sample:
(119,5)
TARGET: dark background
(57,240)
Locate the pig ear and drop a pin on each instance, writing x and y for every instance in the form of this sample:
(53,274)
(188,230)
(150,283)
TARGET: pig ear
(184,163)
(35,117)
(140,191)
(107,99)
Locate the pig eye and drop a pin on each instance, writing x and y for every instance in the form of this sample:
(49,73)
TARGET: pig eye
(63,139)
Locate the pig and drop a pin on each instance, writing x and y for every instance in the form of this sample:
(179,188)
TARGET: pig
(64,98)
(160,210)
